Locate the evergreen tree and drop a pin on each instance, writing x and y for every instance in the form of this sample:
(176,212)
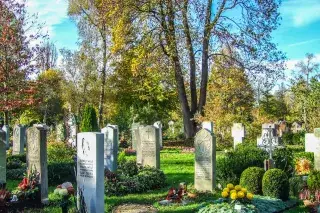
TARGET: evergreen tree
(89,120)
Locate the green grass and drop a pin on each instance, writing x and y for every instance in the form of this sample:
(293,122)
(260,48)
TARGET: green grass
(178,167)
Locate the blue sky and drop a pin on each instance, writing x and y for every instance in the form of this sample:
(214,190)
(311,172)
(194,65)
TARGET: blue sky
(298,34)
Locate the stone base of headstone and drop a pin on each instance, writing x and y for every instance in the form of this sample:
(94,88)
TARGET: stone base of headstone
(268,164)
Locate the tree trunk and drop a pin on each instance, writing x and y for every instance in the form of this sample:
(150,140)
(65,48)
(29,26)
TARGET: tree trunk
(103,82)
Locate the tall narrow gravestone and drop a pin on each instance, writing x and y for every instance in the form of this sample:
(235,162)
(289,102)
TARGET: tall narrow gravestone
(37,156)
(90,171)
(111,141)
(6,129)
(158,125)
(312,144)
(205,161)
(134,126)
(138,145)
(3,157)
(19,136)
(238,133)
(150,146)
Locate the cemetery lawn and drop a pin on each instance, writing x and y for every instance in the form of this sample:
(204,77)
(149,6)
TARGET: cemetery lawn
(178,167)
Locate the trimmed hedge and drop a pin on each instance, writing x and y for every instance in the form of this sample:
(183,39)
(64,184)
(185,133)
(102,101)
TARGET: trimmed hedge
(230,167)
(251,179)
(61,172)
(275,184)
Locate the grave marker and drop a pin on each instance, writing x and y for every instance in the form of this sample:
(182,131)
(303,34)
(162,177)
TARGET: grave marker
(138,145)
(158,125)
(3,158)
(150,149)
(7,131)
(134,126)
(19,136)
(238,133)
(312,144)
(111,141)
(90,171)
(61,132)
(205,161)
(37,156)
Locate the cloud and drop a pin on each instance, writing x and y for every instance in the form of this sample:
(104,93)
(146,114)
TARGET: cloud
(303,42)
(290,64)
(51,12)
(301,13)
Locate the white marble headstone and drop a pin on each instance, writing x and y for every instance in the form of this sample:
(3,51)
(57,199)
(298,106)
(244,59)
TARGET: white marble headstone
(205,161)
(90,170)
(150,146)
(238,133)
(111,141)
(158,125)
(3,158)
(19,136)
(312,144)
(134,126)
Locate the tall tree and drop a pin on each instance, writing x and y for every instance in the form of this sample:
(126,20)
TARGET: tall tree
(94,12)
(16,56)
(192,33)
(48,56)
(304,71)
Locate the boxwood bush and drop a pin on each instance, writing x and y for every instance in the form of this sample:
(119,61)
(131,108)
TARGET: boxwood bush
(275,184)
(230,167)
(130,181)
(314,180)
(251,179)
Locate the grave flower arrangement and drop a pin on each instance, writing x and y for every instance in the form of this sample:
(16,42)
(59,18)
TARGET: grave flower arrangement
(65,191)
(303,166)
(237,196)
(28,188)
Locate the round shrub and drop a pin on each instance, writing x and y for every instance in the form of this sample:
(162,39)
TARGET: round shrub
(275,184)
(59,152)
(129,168)
(251,179)
(314,180)
(89,120)
(230,167)
(283,158)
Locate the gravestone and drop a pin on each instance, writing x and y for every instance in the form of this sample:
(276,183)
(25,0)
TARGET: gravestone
(238,133)
(134,126)
(158,125)
(205,161)
(61,132)
(150,149)
(19,136)
(37,156)
(90,171)
(208,125)
(138,145)
(7,131)
(3,158)
(111,142)
(72,128)
(269,140)
(171,126)
(312,144)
